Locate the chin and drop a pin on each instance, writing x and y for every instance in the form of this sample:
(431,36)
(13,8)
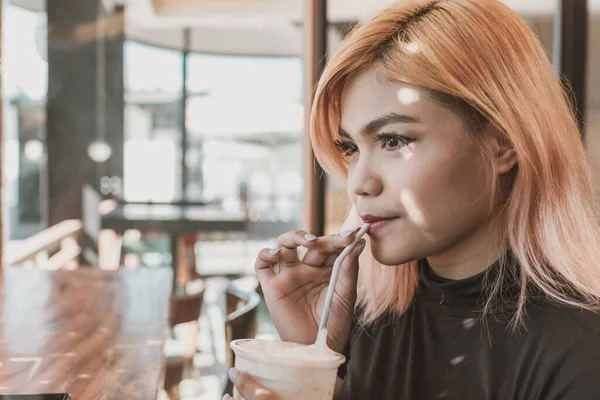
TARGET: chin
(390,255)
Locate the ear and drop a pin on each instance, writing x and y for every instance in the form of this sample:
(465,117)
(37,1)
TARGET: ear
(506,158)
(503,151)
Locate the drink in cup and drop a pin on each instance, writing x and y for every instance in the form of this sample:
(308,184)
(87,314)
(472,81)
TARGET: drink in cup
(290,370)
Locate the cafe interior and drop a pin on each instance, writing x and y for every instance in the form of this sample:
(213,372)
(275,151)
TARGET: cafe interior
(150,150)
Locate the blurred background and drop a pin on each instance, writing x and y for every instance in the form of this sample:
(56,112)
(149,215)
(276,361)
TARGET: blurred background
(153,133)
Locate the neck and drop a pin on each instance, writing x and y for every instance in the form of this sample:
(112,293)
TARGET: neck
(470,256)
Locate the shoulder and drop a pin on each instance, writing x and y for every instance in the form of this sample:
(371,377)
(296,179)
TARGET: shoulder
(574,375)
(561,330)
(569,339)
(377,329)
(576,322)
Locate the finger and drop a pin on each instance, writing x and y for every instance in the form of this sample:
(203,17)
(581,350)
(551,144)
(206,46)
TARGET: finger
(351,260)
(321,256)
(348,277)
(264,264)
(331,258)
(328,248)
(249,388)
(289,243)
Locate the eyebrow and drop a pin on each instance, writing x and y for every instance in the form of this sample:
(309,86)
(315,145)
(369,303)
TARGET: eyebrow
(382,121)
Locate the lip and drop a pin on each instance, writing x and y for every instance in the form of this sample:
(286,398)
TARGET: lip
(377,223)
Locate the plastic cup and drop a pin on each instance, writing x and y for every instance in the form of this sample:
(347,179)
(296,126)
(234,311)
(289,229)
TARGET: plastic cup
(305,373)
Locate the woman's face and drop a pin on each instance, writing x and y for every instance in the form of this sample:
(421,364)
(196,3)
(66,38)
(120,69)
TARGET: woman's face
(413,163)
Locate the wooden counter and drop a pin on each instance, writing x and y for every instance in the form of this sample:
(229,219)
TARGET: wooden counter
(94,334)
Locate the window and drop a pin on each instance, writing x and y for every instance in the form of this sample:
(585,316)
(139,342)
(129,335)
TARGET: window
(24,85)
(152,149)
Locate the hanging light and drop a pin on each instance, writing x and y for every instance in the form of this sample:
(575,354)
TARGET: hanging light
(99,151)
(34,150)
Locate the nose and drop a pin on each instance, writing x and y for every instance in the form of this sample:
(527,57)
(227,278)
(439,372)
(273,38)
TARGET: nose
(364,179)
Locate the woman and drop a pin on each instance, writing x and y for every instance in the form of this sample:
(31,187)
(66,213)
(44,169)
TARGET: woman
(481,279)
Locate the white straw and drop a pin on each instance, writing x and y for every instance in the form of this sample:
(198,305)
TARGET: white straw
(322,336)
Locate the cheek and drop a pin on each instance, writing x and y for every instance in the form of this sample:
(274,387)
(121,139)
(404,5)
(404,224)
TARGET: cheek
(351,196)
(439,192)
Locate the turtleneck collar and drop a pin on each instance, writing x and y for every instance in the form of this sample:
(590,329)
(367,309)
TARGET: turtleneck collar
(468,296)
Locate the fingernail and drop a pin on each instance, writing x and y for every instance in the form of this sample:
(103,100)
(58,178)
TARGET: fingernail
(226,397)
(233,374)
(310,237)
(348,232)
(362,246)
(274,251)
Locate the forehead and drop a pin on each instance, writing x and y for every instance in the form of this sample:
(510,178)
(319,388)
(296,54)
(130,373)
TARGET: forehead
(370,95)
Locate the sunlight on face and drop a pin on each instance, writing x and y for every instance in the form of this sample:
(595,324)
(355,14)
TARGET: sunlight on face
(408,96)
(411,164)
(412,209)
(407,153)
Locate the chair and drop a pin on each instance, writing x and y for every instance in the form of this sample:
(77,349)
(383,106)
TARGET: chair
(186,259)
(181,348)
(100,247)
(240,323)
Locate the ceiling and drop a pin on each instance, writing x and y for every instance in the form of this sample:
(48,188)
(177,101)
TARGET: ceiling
(273,27)
(338,10)
(252,27)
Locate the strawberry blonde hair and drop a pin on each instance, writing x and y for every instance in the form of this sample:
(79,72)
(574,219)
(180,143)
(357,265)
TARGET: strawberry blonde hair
(481,58)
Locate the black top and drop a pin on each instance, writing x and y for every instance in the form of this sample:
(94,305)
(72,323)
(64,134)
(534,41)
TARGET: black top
(441,348)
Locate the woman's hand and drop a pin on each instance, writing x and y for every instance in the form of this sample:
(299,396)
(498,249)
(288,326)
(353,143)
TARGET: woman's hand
(249,389)
(295,294)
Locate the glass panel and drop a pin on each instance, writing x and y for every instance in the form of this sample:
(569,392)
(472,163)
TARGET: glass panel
(152,149)
(245,121)
(24,85)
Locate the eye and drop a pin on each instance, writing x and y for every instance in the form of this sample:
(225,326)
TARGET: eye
(393,141)
(346,147)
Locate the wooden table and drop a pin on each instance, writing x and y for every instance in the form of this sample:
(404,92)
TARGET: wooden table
(174,220)
(94,334)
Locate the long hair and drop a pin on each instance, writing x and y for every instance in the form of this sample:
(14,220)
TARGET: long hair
(481,58)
